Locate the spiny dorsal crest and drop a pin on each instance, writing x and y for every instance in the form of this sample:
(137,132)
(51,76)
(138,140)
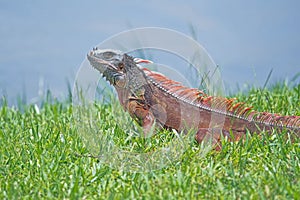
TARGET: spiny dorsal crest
(227,106)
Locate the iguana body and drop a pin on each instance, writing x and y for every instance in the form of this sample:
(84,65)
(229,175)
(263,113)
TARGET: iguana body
(151,97)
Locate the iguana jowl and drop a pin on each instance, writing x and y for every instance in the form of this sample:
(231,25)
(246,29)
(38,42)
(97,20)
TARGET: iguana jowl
(151,97)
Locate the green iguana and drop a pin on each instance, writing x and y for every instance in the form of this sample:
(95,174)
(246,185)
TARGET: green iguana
(152,98)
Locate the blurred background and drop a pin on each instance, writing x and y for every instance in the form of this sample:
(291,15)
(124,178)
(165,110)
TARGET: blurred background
(43,43)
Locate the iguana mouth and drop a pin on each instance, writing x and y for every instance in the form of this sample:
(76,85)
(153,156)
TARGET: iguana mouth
(98,62)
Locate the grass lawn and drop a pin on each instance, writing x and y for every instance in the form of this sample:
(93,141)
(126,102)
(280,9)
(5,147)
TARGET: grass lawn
(42,156)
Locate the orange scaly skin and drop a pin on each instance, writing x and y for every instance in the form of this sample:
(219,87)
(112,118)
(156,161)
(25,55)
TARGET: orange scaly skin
(151,97)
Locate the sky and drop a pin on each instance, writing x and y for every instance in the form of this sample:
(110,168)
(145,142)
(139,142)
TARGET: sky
(43,43)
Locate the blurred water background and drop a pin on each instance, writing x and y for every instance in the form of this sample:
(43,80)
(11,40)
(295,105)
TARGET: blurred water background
(43,43)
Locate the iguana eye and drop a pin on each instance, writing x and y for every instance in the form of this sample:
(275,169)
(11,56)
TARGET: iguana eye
(108,55)
(121,66)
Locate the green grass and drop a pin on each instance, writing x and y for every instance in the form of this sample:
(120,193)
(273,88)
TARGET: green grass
(40,157)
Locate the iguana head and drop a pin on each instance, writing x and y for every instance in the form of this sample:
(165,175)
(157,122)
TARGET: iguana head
(110,63)
(120,69)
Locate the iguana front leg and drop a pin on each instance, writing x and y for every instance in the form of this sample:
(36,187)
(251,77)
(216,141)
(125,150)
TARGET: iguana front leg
(142,114)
